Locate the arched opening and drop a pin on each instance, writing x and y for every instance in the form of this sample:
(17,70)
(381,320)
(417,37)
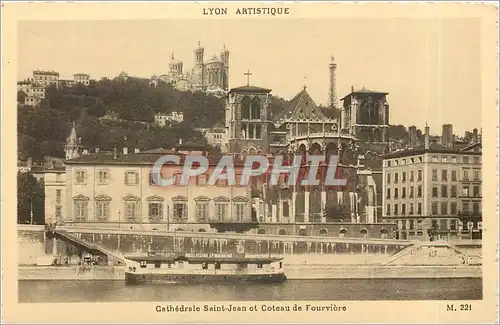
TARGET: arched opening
(302,232)
(201,230)
(286,209)
(364,233)
(282,232)
(302,150)
(261,232)
(252,151)
(179,229)
(245,108)
(315,149)
(315,205)
(255,112)
(331,150)
(323,232)
(384,234)
(343,232)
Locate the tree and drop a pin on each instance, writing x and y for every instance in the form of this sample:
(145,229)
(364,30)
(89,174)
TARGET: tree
(336,213)
(30,198)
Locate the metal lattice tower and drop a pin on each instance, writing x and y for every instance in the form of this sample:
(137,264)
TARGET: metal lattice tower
(332,96)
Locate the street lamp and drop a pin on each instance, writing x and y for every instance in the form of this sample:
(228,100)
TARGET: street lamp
(119,219)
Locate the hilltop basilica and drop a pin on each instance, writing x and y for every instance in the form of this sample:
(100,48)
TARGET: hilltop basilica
(210,76)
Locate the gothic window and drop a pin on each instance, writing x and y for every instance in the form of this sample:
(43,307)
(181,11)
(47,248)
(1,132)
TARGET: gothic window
(286,209)
(245,108)
(255,113)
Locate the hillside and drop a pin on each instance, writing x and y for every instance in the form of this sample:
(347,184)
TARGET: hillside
(43,130)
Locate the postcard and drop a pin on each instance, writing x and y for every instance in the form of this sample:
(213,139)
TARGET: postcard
(249,162)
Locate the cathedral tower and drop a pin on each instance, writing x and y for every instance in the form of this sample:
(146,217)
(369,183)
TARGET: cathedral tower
(199,69)
(332,94)
(224,57)
(73,146)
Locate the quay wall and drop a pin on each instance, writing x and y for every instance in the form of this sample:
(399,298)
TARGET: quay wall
(87,273)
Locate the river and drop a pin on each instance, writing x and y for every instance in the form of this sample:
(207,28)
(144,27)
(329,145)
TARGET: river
(377,289)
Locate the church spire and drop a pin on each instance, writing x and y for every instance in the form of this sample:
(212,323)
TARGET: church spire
(73,147)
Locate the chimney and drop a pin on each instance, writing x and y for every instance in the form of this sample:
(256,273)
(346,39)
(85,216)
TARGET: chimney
(125,150)
(96,150)
(352,89)
(180,141)
(136,150)
(115,153)
(426,137)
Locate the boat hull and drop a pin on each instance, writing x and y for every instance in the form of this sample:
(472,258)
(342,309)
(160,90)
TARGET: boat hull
(133,278)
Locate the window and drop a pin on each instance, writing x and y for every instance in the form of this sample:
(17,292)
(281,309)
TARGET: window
(419,191)
(466,160)
(419,176)
(403,209)
(477,173)
(444,191)
(475,208)
(435,159)
(180,211)
(388,178)
(240,211)
(444,175)
(58,196)
(475,191)
(102,210)
(80,177)
(412,174)
(102,177)
(477,160)
(434,208)
(131,210)
(403,177)
(411,192)
(403,193)
(465,207)
(131,178)
(388,210)
(396,178)
(453,208)
(396,194)
(434,191)
(453,191)
(81,210)
(465,191)
(454,159)
(434,174)
(444,208)
(202,209)
(444,159)
(419,159)
(221,210)
(466,174)
(388,193)
(396,209)
(410,209)
(419,208)
(202,180)
(454,175)
(58,213)
(155,211)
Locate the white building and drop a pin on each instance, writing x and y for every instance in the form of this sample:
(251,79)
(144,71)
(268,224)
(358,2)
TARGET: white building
(162,119)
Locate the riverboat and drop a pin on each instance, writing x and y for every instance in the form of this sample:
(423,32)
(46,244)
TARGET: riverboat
(182,268)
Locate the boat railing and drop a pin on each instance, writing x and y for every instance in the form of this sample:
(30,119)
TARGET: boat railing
(209,271)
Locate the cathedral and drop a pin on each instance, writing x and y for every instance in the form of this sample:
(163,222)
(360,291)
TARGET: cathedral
(355,131)
(210,76)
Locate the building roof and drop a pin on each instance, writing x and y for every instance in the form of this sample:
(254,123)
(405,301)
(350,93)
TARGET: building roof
(143,158)
(365,91)
(302,106)
(81,74)
(250,90)
(433,148)
(51,73)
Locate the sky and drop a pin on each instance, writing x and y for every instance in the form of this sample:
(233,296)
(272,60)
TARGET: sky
(430,67)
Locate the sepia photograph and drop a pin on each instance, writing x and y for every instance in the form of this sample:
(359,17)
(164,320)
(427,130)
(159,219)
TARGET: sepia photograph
(248,153)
